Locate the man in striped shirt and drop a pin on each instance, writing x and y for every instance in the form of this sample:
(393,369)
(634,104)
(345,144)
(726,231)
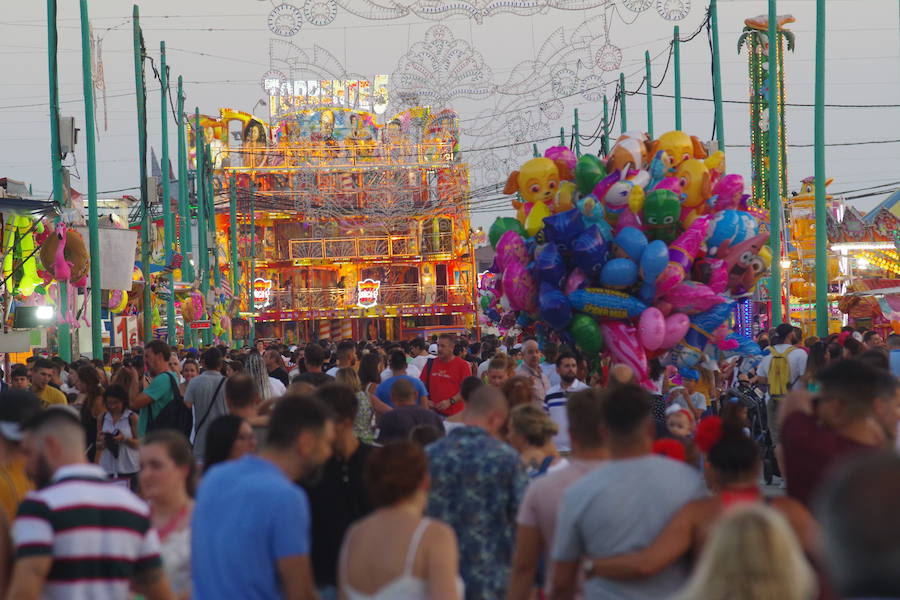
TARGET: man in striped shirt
(79,537)
(557,397)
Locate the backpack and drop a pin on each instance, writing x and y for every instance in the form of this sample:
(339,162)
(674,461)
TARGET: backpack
(780,372)
(174,415)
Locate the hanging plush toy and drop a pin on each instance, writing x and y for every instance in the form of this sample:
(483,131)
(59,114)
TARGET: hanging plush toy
(65,258)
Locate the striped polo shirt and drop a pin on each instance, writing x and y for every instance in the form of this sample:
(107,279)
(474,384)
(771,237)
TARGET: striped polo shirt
(97,532)
(555,406)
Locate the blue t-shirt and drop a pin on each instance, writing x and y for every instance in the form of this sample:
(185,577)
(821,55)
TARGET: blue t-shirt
(895,362)
(248,516)
(383,391)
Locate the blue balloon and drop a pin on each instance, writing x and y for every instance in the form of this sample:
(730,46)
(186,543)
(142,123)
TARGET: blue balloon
(654,260)
(549,266)
(732,226)
(647,293)
(605,303)
(524,320)
(561,228)
(589,251)
(556,310)
(704,324)
(633,241)
(619,273)
(493,315)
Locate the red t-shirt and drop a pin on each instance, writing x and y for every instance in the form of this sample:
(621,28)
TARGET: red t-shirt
(810,453)
(443,380)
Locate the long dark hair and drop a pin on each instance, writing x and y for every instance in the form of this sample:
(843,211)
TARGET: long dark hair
(368,369)
(220,438)
(179,450)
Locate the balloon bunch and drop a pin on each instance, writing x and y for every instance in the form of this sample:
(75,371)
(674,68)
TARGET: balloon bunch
(643,251)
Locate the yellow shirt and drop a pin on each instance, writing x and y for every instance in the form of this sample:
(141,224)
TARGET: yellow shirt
(50,396)
(14,484)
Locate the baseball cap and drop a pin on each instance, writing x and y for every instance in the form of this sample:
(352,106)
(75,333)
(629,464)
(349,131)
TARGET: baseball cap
(16,408)
(432,349)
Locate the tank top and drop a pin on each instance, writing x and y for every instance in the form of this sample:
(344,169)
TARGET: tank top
(405,587)
(128,461)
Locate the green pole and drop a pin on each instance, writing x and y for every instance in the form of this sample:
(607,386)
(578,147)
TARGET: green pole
(575,131)
(63,331)
(676,42)
(649,94)
(140,93)
(775,291)
(93,225)
(252,308)
(562,136)
(534,150)
(819,153)
(233,238)
(623,114)
(184,204)
(717,73)
(604,139)
(168,217)
(203,249)
(211,219)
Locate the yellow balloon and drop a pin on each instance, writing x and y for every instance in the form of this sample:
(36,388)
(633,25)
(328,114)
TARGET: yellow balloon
(534,222)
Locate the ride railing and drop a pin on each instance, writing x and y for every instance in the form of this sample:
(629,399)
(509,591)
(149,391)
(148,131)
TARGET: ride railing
(388,295)
(361,247)
(336,155)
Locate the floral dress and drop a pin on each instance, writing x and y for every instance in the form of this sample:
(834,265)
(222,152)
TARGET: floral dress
(364,425)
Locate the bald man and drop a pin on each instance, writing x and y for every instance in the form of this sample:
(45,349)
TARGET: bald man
(620,374)
(531,368)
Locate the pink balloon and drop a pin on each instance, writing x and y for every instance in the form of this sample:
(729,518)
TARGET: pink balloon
(625,348)
(562,154)
(511,249)
(652,328)
(628,219)
(677,326)
(682,253)
(576,280)
(692,298)
(519,288)
(669,183)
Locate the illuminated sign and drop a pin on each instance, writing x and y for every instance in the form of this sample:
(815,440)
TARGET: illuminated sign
(367,293)
(262,291)
(287,96)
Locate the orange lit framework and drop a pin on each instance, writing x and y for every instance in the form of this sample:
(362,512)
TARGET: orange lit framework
(336,204)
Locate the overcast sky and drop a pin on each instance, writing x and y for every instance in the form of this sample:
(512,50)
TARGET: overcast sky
(222,49)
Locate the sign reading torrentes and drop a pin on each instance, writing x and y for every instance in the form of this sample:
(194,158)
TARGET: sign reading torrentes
(367,293)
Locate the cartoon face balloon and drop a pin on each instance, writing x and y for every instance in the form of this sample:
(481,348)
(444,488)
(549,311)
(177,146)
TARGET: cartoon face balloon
(744,264)
(537,180)
(662,210)
(695,183)
(679,147)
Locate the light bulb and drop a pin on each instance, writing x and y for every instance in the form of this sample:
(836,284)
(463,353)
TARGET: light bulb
(786,263)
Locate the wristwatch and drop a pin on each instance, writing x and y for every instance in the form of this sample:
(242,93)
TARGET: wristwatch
(587,567)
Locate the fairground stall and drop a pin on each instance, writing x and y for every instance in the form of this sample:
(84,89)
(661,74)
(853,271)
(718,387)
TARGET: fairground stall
(346,227)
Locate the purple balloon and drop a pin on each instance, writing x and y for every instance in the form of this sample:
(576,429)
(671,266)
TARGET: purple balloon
(561,228)
(549,266)
(519,288)
(589,251)
(555,308)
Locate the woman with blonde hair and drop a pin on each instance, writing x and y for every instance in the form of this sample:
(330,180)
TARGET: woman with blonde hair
(363,426)
(518,390)
(531,433)
(752,555)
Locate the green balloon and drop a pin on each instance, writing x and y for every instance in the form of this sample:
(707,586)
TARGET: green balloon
(588,173)
(501,226)
(587,334)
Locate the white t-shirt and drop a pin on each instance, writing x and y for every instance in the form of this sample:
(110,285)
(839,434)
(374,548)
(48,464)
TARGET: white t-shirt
(276,388)
(555,406)
(411,370)
(796,361)
(483,367)
(332,371)
(419,362)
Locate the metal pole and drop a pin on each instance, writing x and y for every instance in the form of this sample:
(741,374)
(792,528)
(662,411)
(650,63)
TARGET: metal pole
(819,154)
(623,114)
(534,150)
(649,94)
(168,217)
(252,308)
(604,139)
(562,136)
(203,247)
(717,73)
(63,331)
(93,225)
(575,131)
(184,204)
(775,289)
(233,240)
(676,42)
(211,219)
(140,90)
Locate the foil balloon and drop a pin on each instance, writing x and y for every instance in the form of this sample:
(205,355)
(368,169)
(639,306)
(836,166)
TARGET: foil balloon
(549,266)
(565,197)
(677,326)
(619,273)
(493,315)
(632,241)
(605,303)
(679,147)
(510,249)
(703,325)
(555,309)
(561,154)
(662,211)
(731,226)
(593,214)
(562,228)
(519,287)
(536,182)
(576,280)
(696,187)
(621,339)
(500,226)
(651,328)
(660,168)
(589,171)
(673,184)
(616,192)
(682,253)
(728,193)
(534,221)
(586,333)
(712,272)
(589,250)
(744,264)
(691,297)
(654,259)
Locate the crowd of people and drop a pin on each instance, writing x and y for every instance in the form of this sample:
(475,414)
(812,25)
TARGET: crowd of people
(453,468)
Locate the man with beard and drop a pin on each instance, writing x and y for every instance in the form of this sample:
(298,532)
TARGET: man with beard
(77,536)
(250,534)
(557,397)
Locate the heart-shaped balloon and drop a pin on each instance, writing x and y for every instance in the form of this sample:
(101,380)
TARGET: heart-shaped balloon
(651,328)
(677,326)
